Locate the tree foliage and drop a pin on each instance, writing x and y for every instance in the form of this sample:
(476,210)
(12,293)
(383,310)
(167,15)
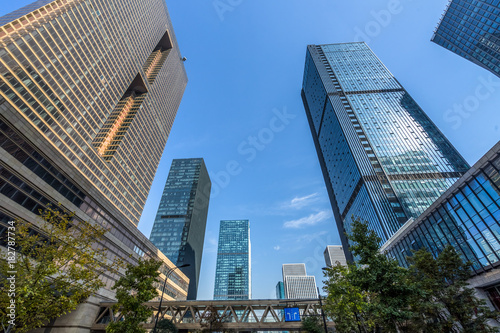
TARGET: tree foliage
(57,267)
(166,326)
(375,294)
(312,324)
(212,320)
(346,304)
(389,286)
(132,291)
(444,281)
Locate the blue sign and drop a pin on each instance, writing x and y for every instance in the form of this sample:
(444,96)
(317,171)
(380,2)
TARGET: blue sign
(292,314)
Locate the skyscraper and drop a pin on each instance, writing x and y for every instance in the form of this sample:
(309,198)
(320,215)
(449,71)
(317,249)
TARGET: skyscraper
(297,283)
(467,217)
(233,271)
(334,254)
(88,94)
(280,290)
(383,159)
(470,28)
(179,228)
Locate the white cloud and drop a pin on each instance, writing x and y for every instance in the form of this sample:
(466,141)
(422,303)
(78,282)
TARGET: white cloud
(308,238)
(284,208)
(310,220)
(301,202)
(277,247)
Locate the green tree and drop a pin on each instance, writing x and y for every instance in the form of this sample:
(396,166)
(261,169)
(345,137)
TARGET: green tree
(375,294)
(392,291)
(166,326)
(346,304)
(212,320)
(132,291)
(444,281)
(312,324)
(57,265)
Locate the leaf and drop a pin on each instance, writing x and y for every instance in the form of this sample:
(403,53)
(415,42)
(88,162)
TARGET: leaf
(56,265)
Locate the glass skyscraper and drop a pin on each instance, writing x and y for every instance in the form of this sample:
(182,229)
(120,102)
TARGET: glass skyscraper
(470,28)
(383,159)
(466,216)
(233,271)
(179,228)
(280,290)
(88,93)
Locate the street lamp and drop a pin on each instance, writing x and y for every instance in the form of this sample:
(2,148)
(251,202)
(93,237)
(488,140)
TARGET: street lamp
(321,305)
(170,271)
(322,312)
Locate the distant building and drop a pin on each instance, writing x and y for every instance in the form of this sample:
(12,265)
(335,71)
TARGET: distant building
(179,227)
(280,294)
(383,159)
(233,270)
(334,254)
(470,28)
(294,270)
(280,290)
(466,216)
(88,93)
(297,285)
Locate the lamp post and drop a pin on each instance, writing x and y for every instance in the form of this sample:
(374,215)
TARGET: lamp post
(170,271)
(322,312)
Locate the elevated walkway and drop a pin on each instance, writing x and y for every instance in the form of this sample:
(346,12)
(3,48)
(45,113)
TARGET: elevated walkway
(234,315)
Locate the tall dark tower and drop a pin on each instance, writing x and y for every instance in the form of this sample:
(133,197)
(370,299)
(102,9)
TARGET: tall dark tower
(383,159)
(179,228)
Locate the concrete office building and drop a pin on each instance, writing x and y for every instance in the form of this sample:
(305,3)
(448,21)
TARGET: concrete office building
(297,284)
(334,254)
(88,93)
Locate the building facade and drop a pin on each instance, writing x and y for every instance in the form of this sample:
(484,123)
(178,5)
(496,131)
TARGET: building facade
(88,94)
(179,227)
(233,274)
(297,284)
(470,28)
(334,254)
(466,216)
(280,290)
(382,158)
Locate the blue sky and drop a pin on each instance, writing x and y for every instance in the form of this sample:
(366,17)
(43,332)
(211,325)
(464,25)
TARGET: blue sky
(243,114)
